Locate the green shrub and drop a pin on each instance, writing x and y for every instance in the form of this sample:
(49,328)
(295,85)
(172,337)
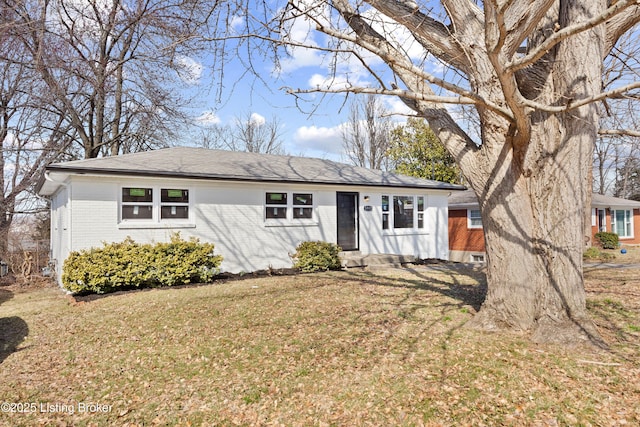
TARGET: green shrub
(593,253)
(317,256)
(607,240)
(128,264)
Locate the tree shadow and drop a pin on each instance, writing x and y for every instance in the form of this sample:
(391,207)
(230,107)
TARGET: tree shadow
(456,286)
(13,330)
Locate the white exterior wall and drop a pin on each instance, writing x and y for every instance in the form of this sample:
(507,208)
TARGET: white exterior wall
(60,228)
(432,241)
(232,216)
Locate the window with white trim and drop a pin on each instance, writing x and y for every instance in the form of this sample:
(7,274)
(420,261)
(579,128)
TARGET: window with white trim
(403,212)
(174,203)
(276,206)
(137,203)
(477,258)
(302,206)
(474,219)
(289,207)
(622,222)
(142,205)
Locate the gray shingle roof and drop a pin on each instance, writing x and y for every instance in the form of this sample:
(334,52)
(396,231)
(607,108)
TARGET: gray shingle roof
(201,163)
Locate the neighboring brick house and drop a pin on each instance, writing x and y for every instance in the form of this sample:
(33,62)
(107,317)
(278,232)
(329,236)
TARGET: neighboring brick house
(466,237)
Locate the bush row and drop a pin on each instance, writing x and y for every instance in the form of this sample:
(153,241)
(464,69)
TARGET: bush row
(129,265)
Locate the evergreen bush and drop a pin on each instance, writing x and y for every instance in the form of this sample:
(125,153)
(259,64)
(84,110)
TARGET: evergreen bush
(317,256)
(127,265)
(607,240)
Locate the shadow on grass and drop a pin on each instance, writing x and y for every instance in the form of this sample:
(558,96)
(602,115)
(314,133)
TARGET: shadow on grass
(13,330)
(456,285)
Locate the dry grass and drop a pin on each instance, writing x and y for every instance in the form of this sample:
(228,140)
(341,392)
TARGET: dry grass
(615,256)
(344,348)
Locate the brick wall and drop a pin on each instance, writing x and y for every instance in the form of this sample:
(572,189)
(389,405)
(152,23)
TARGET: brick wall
(461,237)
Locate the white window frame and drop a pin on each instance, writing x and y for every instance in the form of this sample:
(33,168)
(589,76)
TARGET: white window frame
(175,204)
(477,258)
(156,220)
(136,204)
(628,226)
(471,218)
(419,216)
(601,213)
(290,206)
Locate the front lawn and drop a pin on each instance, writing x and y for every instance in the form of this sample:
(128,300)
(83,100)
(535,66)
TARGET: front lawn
(338,348)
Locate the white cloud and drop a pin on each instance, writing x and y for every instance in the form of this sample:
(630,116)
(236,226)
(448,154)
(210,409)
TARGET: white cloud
(189,70)
(257,119)
(300,33)
(397,107)
(208,118)
(339,81)
(322,140)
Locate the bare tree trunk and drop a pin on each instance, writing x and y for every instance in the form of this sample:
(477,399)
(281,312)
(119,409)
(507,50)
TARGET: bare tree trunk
(535,204)
(534,223)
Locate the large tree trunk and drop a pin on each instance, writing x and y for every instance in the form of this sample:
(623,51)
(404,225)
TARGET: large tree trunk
(536,199)
(534,223)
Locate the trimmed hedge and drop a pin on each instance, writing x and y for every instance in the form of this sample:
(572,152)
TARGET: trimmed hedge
(127,265)
(317,256)
(607,240)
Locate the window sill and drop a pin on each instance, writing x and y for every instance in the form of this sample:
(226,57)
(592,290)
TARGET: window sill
(405,232)
(300,223)
(150,225)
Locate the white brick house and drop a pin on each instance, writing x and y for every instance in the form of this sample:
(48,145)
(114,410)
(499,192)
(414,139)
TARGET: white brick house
(255,208)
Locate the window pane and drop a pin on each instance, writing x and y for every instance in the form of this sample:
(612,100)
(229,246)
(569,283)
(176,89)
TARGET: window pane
(385,203)
(276,212)
(178,212)
(301,213)
(276,199)
(137,195)
(420,220)
(420,204)
(302,199)
(385,221)
(402,212)
(620,223)
(137,212)
(174,196)
(475,220)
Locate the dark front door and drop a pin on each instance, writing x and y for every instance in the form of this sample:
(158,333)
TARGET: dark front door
(347,221)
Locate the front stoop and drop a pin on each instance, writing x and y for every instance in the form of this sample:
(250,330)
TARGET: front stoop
(356,259)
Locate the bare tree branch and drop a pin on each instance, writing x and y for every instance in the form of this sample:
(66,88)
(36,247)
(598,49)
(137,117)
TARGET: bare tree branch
(567,32)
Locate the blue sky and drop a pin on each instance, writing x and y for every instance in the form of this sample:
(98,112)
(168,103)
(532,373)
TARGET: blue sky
(310,127)
(311,123)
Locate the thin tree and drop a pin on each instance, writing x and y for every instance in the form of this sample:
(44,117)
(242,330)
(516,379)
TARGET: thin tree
(249,132)
(30,136)
(618,144)
(533,72)
(112,67)
(366,134)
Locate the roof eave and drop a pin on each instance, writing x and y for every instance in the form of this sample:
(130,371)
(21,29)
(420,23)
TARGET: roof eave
(169,174)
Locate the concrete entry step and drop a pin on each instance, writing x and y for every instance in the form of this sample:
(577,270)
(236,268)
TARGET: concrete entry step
(356,259)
